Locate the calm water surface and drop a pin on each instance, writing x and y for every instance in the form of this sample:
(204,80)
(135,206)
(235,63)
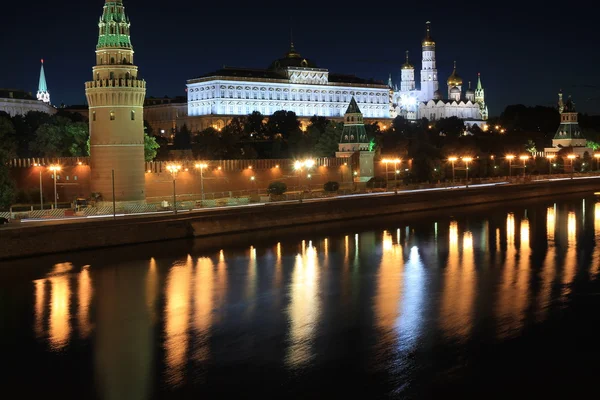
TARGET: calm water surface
(491,302)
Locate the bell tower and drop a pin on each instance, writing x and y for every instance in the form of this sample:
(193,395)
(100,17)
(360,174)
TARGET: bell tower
(115,98)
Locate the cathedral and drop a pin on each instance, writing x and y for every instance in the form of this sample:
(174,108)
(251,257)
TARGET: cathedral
(428,101)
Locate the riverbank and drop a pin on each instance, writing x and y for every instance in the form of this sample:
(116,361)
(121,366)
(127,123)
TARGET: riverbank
(32,240)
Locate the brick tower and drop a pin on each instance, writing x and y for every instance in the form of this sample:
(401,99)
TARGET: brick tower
(115,97)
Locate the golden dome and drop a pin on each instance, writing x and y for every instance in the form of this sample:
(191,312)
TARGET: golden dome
(407,64)
(454,79)
(428,41)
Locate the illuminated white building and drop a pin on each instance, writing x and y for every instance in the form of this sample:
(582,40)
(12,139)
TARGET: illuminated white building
(291,83)
(428,102)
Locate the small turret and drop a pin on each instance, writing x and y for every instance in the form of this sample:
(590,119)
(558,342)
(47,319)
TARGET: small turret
(43,94)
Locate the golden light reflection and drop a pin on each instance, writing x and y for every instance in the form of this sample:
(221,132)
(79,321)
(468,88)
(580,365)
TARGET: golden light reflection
(389,290)
(459,285)
(251,284)
(40,298)
(152,289)
(84,295)
(570,264)
(548,272)
(60,302)
(177,315)
(278,265)
(346,249)
(304,308)
(595,268)
(203,306)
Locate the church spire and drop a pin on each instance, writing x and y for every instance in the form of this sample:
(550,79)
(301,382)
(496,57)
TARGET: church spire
(390,84)
(42,93)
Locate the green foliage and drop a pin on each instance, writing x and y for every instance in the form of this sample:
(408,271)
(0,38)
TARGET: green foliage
(327,143)
(254,125)
(277,188)
(148,129)
(150,147)
(450,127)
(183,138)
(530,147)
(283,122)
(60,137)
(331,186)
(7,151)
(593,145)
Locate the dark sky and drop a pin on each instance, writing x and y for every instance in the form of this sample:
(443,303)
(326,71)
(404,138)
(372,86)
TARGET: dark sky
(525,53)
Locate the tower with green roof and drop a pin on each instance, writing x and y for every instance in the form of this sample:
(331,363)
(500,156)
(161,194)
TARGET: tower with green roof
(115,98)
(568,135)
(43,94)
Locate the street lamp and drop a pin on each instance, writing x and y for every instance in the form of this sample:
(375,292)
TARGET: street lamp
(55,169)
(524,159)
(452,160)
(597,157)
(41,196)
(174,169)
(572,157)
(467,160)
(510,157)
(201,167)
(550,157)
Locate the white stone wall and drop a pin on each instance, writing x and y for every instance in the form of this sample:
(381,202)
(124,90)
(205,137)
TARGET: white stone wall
(435,110)
(234,97)
(21,107)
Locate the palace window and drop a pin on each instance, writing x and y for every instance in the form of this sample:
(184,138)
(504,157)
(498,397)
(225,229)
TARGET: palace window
(112,115)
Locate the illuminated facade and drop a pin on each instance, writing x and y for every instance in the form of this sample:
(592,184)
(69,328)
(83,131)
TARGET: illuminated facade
(291,83)
(428,102)
(18,102)
(115,97)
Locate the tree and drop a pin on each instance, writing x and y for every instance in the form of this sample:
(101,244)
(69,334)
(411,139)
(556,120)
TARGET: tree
(328,142)
(77,137)
(61,137)
(8,148)
(452,126)
(150,147)
(48,141)
(284,122)
(530,147)
(254,125)
(183,138)
(148,129)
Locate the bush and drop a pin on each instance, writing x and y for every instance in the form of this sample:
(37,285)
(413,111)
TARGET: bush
(376,182)
(331,186)
(277,188)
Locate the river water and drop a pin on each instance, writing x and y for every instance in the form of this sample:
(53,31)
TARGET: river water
(488,302)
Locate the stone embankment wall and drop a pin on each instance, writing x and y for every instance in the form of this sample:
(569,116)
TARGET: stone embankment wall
(26,240)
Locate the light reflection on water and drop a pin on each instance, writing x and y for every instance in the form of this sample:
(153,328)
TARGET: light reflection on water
(395,286)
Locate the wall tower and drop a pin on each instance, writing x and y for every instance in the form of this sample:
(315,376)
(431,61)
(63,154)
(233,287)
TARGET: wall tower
(480,98)
(43,94)
(115,97)
(429,78)
(407,80)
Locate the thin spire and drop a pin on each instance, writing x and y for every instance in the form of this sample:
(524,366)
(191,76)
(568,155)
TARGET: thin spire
(407,56)
(469,85)
(455,65)
(427,29)
(479,87)
(42,87)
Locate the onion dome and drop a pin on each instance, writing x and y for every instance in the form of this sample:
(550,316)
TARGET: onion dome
(407,64)
(428,41)
(437,95)
(455,90)
(454,79)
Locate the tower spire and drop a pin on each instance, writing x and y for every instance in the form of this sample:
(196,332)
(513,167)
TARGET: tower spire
(407,57)
(42,93)
(390,84)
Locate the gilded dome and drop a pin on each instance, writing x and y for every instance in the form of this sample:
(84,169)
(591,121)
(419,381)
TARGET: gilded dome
(428,40)
(407,64)
(454,79)
(292,59)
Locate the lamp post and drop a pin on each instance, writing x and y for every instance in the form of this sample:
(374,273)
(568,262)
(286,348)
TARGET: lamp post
(452,161)
(41,195)
(386,162)
(201,167)
(510,157)
(524,159)
(55,169)
(467,160)
(550,157)
(571,157)
(174,169)
(597,157)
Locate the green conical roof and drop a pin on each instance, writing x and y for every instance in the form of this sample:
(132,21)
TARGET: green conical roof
(114,26)
(42,87)
(353,107)
(479,87)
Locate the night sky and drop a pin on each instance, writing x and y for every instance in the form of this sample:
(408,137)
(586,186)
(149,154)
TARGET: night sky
(525,53)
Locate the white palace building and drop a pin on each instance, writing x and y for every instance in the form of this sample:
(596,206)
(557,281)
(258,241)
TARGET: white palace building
(295,83)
